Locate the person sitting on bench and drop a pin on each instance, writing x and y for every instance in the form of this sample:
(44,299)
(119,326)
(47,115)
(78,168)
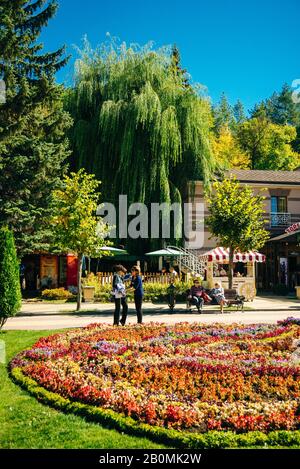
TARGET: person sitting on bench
(196,295)
(217,293)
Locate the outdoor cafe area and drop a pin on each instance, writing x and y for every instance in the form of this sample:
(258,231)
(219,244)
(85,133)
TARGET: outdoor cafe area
(244,280)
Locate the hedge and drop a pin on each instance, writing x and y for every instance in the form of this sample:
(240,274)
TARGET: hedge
(175,438)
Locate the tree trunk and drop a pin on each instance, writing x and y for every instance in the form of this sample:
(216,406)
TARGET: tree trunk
(79,273)
(230,269)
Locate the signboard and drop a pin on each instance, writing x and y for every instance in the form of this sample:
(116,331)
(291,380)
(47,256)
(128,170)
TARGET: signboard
(292,228)
(72,263)
(49,271)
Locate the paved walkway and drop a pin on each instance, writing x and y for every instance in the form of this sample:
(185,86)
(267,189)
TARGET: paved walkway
(41,315)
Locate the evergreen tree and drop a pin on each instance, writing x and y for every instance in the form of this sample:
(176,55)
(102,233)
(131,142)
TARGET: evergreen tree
(10,290)
(223,115)
(33,147)
(178,71)
(239,112)
(281,108)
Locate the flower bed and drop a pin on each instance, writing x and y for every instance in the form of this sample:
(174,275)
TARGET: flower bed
(191,378)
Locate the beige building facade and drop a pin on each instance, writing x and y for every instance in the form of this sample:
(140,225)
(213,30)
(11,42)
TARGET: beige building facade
(281,189)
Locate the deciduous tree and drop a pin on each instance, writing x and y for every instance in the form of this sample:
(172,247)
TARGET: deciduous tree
(76,228)
(236,218)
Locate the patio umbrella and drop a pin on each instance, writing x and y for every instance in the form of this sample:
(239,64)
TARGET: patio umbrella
(170,252)
(113,250)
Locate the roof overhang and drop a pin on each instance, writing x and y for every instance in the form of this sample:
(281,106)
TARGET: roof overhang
(284,236)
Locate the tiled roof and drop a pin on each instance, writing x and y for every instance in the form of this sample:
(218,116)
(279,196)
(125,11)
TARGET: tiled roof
(266,176)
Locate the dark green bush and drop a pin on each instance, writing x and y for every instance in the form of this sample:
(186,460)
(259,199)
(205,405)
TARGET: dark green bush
(10,289)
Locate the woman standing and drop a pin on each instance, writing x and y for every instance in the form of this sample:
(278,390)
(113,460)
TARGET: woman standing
(137,285)
(119,293)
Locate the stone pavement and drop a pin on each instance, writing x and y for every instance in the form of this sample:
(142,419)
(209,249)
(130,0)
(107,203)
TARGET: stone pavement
(42,315)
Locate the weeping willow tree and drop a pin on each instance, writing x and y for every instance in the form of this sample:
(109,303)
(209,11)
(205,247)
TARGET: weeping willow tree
(138,126)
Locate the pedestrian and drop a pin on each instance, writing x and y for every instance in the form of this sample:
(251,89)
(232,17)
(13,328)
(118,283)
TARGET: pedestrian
(137,285)
(119,294)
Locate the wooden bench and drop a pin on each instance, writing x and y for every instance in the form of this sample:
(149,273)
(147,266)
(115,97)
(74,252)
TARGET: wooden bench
(233,299)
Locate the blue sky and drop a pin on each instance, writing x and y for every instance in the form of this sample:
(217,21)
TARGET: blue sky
(245,48)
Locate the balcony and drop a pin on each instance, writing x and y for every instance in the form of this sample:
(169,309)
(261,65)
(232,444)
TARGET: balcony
(280,219)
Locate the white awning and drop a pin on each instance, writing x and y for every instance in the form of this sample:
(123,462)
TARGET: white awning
(220,254)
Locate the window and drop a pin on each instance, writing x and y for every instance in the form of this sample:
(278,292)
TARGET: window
(279,215)
(278,204)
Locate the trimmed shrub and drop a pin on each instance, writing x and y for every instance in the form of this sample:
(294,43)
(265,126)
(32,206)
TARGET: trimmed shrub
(57,294)
(10,289)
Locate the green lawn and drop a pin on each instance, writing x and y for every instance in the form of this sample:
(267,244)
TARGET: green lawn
(25,423)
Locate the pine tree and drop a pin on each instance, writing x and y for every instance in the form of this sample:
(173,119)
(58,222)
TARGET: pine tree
(10,290)
(223,115)
(176,68)
(33,146)
(239,112)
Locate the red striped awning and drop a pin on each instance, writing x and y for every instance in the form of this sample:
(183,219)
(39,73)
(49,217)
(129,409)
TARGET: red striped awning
(222,254)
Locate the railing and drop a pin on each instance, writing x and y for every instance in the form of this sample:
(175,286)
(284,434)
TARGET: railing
(189,261)
(148,277)
(280,219)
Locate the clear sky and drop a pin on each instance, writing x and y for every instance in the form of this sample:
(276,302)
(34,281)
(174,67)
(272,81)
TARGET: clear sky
(245,48)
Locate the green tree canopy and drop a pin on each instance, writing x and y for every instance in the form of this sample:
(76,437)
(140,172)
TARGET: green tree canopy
(236,218)
(268,145)
(33,145)
(10,290)
(76,228)
(138,125)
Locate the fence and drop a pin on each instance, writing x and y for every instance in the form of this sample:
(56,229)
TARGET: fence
(148,277)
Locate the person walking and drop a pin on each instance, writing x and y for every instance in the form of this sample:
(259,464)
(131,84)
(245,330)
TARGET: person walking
(137,285)
(119,293)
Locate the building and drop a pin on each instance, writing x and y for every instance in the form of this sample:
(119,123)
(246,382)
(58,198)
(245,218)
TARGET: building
(45,270)
(281,189)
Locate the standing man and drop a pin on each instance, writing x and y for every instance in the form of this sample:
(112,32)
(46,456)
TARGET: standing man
(137,285)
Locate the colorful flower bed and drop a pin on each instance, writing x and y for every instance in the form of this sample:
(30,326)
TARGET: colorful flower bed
(190,377)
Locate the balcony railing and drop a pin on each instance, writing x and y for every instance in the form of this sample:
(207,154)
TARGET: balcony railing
(280,219)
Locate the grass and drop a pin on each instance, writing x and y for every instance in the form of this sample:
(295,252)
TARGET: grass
(26,423)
